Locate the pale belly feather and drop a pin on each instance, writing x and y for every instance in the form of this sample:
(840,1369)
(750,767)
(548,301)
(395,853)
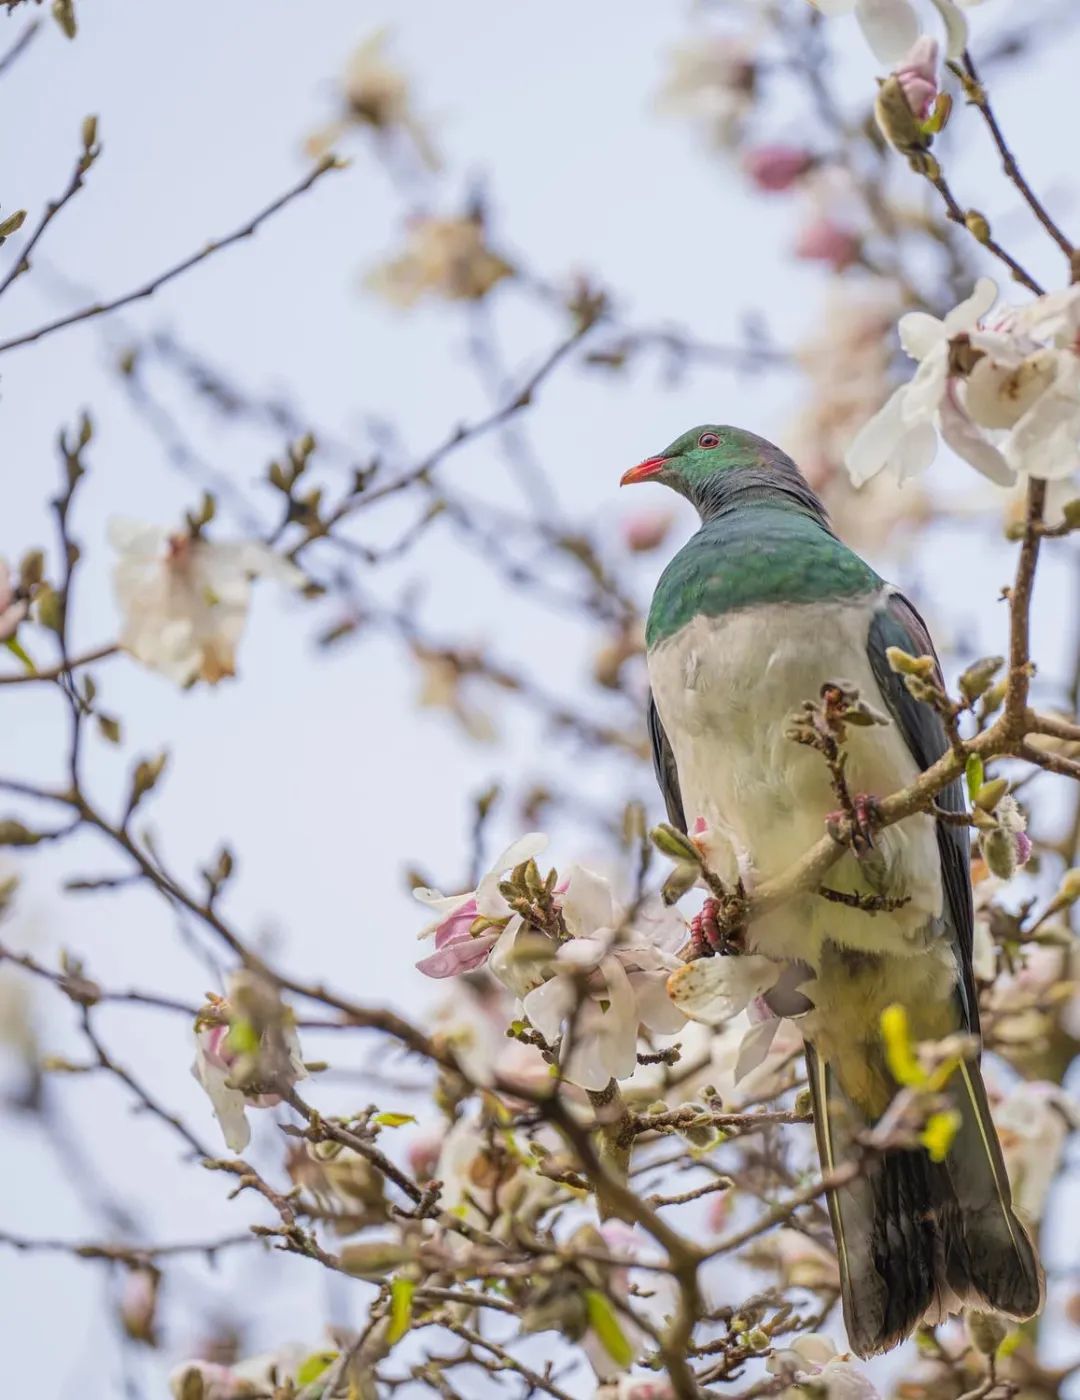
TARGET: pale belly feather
(726,690)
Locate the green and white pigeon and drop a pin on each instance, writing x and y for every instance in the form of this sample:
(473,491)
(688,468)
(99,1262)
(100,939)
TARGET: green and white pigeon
(760,609)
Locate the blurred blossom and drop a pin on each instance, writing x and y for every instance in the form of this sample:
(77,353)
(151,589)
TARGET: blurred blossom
(777,167)
(917,74)
(341,1181)
(239,1061)
(488,1179)
(442,687)
(623,643)
(185,599)
(457,949)
(448,258)
(138,1305)
(257,1376)
(714,82)
(1033,1123)
(816,1368)
(825,240)
(799,1261)
(1004,395)
(376,95)
(12,609)
(646,529)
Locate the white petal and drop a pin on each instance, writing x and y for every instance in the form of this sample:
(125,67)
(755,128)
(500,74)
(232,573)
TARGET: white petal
(969,313)
(875,441)
(920,333)
(928,386)
(890,27)
(547,1005)
(756,1044)
(136,538)
(489,901)
(518,975)
(1046,442)
(967,441)
(956,29)
(580,954)
(712,989)
(587,904)
(655,1008)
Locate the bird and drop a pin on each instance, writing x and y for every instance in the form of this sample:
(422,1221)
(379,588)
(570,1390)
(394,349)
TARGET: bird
(760,610)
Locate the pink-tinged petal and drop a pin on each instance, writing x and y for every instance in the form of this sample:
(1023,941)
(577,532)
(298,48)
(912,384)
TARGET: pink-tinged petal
(457,926)
(775,168)
(825,240)
(970,312)
(463,955)
(917,74)
(890,27)
(442,906)
(967,441)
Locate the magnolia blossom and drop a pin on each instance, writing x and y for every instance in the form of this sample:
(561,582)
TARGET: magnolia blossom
(457,950)
(1005,395)
(447,258)
(917,74)
(185,598)
(799,1260)
(714,81)
(816,1368)
(826,240)
(215,1061)
(12,609)
(645,529)
(489,1180)
(257,1376)
(776,168)
(623,973)
(376,95)
(1033,1123)
(890,27)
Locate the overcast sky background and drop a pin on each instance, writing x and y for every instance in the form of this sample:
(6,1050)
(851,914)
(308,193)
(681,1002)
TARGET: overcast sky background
(317,768)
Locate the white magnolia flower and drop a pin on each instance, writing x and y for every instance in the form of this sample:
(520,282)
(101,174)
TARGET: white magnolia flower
(185,598)
(713,81)
(625,974)
(456,949)
(488,1180)
(816,1368)
(1033,1123)
(890,27)
(1004,395)
(216,1059)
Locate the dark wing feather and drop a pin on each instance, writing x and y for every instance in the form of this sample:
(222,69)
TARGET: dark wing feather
(896,623)
(664,766)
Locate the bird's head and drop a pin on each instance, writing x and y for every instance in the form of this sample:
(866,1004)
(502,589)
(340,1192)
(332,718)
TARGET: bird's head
(710,463)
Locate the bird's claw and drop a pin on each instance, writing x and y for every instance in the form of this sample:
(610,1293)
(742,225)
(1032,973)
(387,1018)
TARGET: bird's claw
(717,928)
(861,821)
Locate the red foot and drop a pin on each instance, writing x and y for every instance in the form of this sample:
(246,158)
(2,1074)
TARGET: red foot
(705,935)
(864,815)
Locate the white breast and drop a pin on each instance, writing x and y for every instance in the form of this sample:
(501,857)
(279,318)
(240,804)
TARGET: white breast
(726,690)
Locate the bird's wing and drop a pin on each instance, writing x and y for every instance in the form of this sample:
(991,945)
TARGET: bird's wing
(664,764)
(896,623)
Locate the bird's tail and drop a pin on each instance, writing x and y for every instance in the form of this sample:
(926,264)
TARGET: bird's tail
(916,1238)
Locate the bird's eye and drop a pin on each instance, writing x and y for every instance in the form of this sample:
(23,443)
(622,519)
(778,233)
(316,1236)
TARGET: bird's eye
(708,440)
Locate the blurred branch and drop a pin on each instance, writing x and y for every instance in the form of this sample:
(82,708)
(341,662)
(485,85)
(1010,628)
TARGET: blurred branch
(162,279)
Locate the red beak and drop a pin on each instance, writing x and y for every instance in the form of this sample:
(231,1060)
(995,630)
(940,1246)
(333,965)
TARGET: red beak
(651,466)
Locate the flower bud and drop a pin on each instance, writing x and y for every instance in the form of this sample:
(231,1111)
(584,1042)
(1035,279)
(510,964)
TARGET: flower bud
(986,1330)
(976,680)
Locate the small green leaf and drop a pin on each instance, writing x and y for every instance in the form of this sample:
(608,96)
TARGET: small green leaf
(401,1298)
(975,775)
(15,647)
(393,1120)
(605,1324)
(312,1367)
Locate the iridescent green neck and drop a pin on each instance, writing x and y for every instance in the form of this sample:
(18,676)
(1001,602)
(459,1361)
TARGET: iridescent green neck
(764,549)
